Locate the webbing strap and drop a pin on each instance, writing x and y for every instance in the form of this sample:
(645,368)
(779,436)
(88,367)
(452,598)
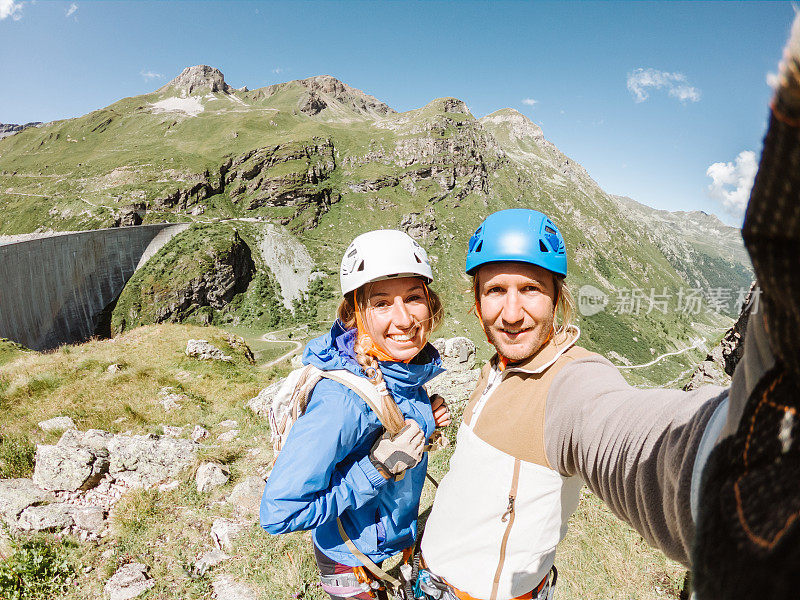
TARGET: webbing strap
(373,568)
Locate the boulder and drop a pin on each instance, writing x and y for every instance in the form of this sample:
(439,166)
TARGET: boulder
(246,495)
(171,400)
(68,468)
(128,582)
(209,559)
(227,588)
(458,353)
(454,386)
(171,431)
(224,532)
(460,350)
(18,494)
(203,350)
(260,405)
(57,424)
(146,460)
(199,433)
(228,436)
(229,424)
(88,518)
(96,440)
(210,476)
(51,517)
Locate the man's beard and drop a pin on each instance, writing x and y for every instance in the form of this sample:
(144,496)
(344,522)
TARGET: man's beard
(519,352)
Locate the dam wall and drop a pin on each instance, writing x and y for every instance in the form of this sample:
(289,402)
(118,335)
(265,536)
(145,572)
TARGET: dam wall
(53,290)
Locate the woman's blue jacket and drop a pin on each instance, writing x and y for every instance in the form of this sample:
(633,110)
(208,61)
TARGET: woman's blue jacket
(324,471)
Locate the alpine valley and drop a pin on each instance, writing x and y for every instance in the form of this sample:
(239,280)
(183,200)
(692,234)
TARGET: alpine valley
(276,181)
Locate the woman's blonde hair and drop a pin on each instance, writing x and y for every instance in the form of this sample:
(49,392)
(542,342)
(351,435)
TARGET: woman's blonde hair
(564,310)
(346,313)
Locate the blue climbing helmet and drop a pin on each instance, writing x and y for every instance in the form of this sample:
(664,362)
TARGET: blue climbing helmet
(520,235)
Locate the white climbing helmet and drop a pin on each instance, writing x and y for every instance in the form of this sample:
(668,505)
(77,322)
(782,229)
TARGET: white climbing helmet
(382,254)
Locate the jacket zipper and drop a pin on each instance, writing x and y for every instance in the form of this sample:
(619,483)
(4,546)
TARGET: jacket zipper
(491,383)
(507,517)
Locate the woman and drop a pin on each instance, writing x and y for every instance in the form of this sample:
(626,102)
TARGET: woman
(337,461)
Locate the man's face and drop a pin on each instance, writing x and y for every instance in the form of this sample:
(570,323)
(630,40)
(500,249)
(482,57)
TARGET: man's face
(517,307)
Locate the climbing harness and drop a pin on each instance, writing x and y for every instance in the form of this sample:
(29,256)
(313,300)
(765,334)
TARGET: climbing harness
(428,586)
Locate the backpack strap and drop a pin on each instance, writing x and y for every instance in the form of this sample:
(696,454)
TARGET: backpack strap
(361,386)
(369,394)
(365,560)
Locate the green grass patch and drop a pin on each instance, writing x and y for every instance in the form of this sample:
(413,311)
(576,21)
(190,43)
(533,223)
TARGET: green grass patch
(17,454)
(40,568)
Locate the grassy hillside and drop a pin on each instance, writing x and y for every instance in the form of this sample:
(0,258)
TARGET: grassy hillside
(321,159)
(168,530)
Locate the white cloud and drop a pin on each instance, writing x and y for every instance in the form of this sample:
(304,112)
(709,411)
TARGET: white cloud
(9,8)
(773,80)
(278,70)
(148,75)
(676,85)
(71,10)
(529,101)
(732,182)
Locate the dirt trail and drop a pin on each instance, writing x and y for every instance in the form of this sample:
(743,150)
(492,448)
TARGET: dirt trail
(298,346)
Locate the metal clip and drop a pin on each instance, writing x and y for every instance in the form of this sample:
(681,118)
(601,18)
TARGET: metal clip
(509,509)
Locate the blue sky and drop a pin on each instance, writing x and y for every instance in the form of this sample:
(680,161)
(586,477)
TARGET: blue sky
(647,96)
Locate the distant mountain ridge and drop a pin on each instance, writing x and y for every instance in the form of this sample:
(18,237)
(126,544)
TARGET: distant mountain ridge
(7,129)
(327,161)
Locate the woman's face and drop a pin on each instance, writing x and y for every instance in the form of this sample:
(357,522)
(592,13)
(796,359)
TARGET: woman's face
(397,316)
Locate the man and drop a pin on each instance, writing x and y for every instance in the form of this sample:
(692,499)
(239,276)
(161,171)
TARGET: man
(548,416)
(504,505)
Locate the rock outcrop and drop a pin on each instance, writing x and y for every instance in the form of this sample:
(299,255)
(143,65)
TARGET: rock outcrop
(69,467)
(326,93)
(224,532)
(57,424)
(210,476)
(205,276)
(78,480)
(421,226)
(457,383)
(7,129)
(16,495)
(198,78)
(254,176)
(129,582)
(203,350)
(718,366)
(246,495)
(130,215)
(227,588)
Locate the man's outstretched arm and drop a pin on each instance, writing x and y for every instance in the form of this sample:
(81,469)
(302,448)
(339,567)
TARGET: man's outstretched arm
(748,530)
(638,450)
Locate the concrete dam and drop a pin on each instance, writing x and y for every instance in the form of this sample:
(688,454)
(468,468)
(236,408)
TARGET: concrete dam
(55,290)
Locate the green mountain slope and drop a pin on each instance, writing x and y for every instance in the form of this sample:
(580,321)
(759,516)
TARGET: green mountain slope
(328,162)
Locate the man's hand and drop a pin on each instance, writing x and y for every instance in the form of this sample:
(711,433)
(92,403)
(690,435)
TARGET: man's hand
(393,455)
(441,413)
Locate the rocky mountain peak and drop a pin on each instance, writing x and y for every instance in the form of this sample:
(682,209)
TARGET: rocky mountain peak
(518,125)
(324,88)
(197,78)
